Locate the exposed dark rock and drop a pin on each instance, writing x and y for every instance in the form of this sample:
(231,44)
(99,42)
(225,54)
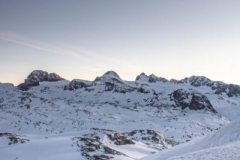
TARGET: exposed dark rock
(13,138)
(234,90)
(111,73)
(152,78)
(143,90)
(90,145)
(123,88)
(113,82)
(103,130)
(120,139)
(101,157)
(132,133)
(109,86)
(147,136)
(40,76)
(77,84)
(109,76)
(115,137)
(24,86)
(37,76)
(217,86)
(173,81)
(180,96)
(89,89)
(153,101)
(191,99)
(199,102)
(141,75)
(196,81)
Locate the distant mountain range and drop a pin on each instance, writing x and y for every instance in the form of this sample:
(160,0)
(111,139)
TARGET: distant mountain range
(112,77)
(110,118)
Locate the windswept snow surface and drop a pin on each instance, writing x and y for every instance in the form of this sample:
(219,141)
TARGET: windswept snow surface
(211,145)
(229,151)
(42,147)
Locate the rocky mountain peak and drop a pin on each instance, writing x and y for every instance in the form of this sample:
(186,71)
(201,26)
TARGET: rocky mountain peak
(217,86)
(142,75)
(196,81)
(151,78)
(37,76)
(111,73)
(173,81)
(109,77)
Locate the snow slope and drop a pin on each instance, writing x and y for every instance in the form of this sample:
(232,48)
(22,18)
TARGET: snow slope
(47,147)
(228,136)
(229,151)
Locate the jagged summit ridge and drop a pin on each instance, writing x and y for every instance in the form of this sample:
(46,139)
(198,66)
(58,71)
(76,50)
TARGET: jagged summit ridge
(217,86)
(112,80)
(151,78)
(110,77)
(112,74)
(197,81)
(41,76)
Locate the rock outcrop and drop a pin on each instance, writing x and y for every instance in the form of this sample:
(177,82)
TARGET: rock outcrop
(37,76)
(158,141)
(151,78)
(109,76)
(191,99)
(77,84)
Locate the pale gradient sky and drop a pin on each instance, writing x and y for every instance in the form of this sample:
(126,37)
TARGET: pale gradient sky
(84,39)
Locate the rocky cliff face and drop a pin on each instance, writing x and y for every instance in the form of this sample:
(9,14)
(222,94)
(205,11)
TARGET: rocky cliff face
(191,99)
(37,76)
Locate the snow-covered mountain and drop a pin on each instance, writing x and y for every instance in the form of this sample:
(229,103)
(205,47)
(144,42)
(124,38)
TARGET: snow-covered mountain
(48,117)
